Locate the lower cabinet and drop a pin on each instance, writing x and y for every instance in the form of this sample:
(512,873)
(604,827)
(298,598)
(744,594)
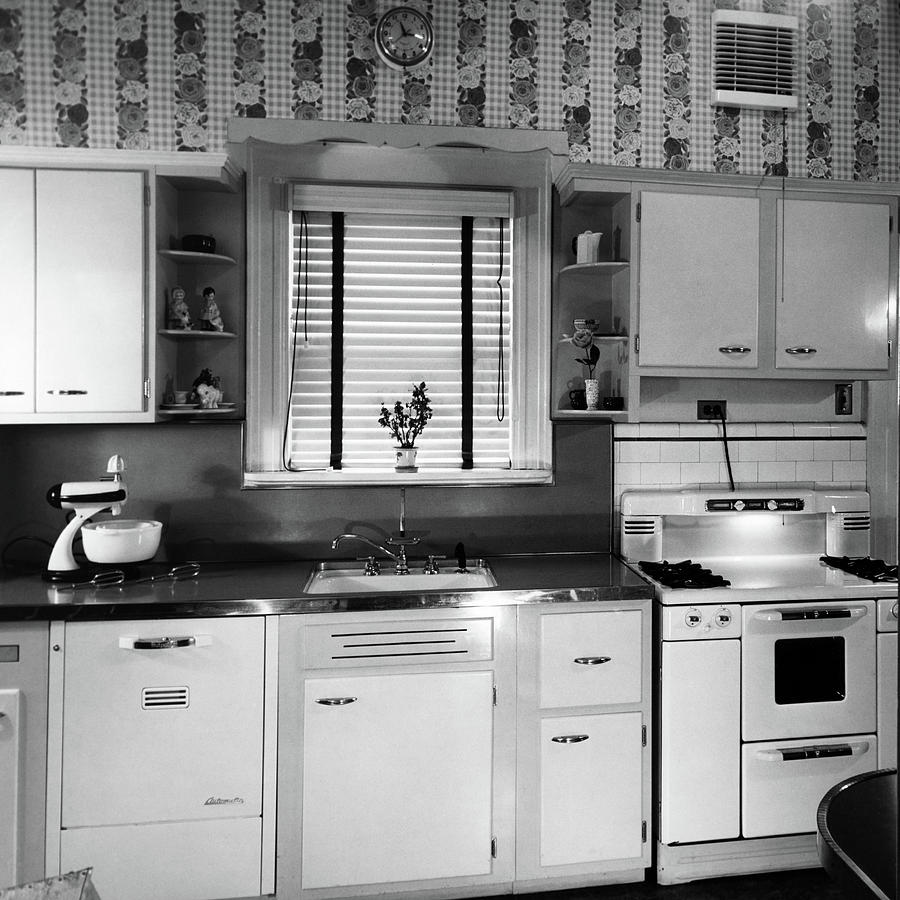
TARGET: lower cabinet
(583,745)
(160,756)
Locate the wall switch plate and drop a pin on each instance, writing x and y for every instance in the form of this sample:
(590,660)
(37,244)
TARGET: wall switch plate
(843,399)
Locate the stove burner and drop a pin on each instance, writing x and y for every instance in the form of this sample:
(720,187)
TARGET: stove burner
(863,567)
(685,574)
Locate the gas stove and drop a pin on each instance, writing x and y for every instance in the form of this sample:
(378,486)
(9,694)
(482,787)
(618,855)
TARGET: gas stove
(753,546)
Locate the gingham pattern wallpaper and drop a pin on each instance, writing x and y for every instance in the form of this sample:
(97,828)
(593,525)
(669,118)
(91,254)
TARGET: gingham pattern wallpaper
(628,81)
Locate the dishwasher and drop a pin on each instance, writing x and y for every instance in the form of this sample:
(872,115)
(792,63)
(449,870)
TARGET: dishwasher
(23,723)
(158,756)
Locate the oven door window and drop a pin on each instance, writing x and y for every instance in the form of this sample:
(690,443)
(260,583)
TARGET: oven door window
(810,670)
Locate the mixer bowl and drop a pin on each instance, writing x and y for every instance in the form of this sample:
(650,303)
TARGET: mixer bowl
(121,540)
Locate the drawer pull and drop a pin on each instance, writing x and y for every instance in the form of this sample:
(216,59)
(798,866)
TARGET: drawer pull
(814,751)
(336,701)
(12,393)
(591,660)
(735,348)
(569,738)
(131,642)
(800,351)
(63,392)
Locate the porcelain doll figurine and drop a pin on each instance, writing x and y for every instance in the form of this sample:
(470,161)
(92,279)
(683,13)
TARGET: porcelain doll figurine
(179,314)
(209,315)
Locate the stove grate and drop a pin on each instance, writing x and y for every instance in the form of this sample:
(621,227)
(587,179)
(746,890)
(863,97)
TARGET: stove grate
(863,567)
(685,574)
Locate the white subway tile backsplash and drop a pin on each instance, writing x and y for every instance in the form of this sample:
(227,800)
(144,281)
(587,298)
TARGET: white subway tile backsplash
(777,471)
(743,472)
(812,430)
(640,451)
(680,451)
(775,430)
(858,450)
(628,473)
(793,450)
(699,472)
(755,451)
(814,471)
(661,473)
(852,471)
(831,449)
(659,430)
(742,429)
(712,451)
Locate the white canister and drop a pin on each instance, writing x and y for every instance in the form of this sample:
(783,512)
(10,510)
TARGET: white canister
(587,247)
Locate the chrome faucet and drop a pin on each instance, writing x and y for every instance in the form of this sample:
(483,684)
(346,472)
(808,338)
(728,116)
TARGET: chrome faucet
(398,540)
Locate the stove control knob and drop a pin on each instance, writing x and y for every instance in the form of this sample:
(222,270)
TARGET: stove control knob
(692,618)
(723,617)
(738,505)
(772,504)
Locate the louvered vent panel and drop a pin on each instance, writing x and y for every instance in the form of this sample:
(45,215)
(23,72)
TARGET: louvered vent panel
(165,698)
(635,525)
(754,59)
(855,522)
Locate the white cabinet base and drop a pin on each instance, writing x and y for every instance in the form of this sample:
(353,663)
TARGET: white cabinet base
(175,860)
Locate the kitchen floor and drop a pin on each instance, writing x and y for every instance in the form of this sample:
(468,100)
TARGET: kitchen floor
(809,884)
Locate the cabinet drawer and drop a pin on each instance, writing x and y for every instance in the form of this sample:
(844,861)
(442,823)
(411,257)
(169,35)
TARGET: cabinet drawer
(589,659)
(336,645)
(178,860)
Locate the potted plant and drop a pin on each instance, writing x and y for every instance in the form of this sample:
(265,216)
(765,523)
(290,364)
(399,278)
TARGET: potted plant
(406,421)
(583,339)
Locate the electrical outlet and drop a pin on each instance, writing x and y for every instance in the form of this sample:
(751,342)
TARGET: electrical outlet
(712,410)
(843,399)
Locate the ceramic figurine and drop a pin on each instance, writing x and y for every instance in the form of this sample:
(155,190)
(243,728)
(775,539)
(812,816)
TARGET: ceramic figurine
(209,315)
(179,313)
(206,390)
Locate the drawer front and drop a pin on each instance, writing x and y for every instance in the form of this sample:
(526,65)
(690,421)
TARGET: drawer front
(177,860)
(406,642)
(590,659)
(157,728)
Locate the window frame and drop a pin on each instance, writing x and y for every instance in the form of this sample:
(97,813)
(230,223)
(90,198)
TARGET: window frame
(420,159)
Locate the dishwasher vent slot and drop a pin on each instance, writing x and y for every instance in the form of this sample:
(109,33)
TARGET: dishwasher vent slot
(399,643)
(165,698)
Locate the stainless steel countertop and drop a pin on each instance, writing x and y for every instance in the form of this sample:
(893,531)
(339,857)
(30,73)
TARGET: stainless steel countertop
(276,588)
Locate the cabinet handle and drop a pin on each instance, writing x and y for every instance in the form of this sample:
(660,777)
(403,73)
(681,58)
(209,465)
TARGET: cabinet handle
(800,351)
(735,348)
(569,738)
(336,701)
(815,751)
(130,642)
(591,660)
(12,393)
(67,393)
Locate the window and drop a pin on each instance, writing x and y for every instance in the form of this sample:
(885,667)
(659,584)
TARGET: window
(383,298)
(357,290)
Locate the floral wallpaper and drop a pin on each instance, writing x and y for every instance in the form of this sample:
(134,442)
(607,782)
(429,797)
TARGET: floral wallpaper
(628,81)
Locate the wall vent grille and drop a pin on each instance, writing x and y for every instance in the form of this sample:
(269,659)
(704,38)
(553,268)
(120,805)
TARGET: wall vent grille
(165,698)
(640,526)
(855,522)
(754,59)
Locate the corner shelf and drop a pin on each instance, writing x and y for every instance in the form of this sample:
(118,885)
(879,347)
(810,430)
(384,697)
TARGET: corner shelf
(196,258)
(189,333)
(595,268)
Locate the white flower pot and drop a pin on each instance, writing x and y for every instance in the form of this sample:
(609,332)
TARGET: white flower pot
(592,393)
(405,459)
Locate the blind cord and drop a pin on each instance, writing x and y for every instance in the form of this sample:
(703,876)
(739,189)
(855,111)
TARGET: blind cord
(501,367)
(302,271)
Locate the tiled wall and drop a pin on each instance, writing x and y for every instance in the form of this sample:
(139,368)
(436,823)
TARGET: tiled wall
(675,456)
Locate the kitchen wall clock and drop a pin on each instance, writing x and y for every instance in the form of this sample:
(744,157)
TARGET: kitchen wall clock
(404,37)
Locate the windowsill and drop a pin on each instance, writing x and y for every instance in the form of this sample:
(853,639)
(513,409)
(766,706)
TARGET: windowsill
(389,478)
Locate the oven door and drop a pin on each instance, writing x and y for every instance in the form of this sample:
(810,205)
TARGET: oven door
(808,670)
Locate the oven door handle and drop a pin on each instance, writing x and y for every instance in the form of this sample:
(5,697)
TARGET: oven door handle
(810,615)
(816,751)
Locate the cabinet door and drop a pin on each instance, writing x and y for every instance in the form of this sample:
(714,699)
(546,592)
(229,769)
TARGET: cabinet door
(90,291)
(699,280)
(157,729)
(591,788)
(17,295)
(834,287)
(396,778)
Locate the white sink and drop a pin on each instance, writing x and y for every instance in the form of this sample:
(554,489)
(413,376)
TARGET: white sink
(353,581)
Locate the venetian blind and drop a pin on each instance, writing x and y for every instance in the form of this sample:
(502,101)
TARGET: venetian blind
(384,284)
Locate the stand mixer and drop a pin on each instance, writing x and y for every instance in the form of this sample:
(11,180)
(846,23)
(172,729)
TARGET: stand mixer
(86,498)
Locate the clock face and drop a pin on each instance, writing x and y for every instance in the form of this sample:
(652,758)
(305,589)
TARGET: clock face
(404,37)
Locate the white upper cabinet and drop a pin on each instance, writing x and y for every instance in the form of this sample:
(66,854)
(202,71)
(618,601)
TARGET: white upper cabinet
(833,286)
(74,296)
(773,285)
(17,295)
(699,280)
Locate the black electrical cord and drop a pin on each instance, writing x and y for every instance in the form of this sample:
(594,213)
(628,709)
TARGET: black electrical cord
(725,445)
